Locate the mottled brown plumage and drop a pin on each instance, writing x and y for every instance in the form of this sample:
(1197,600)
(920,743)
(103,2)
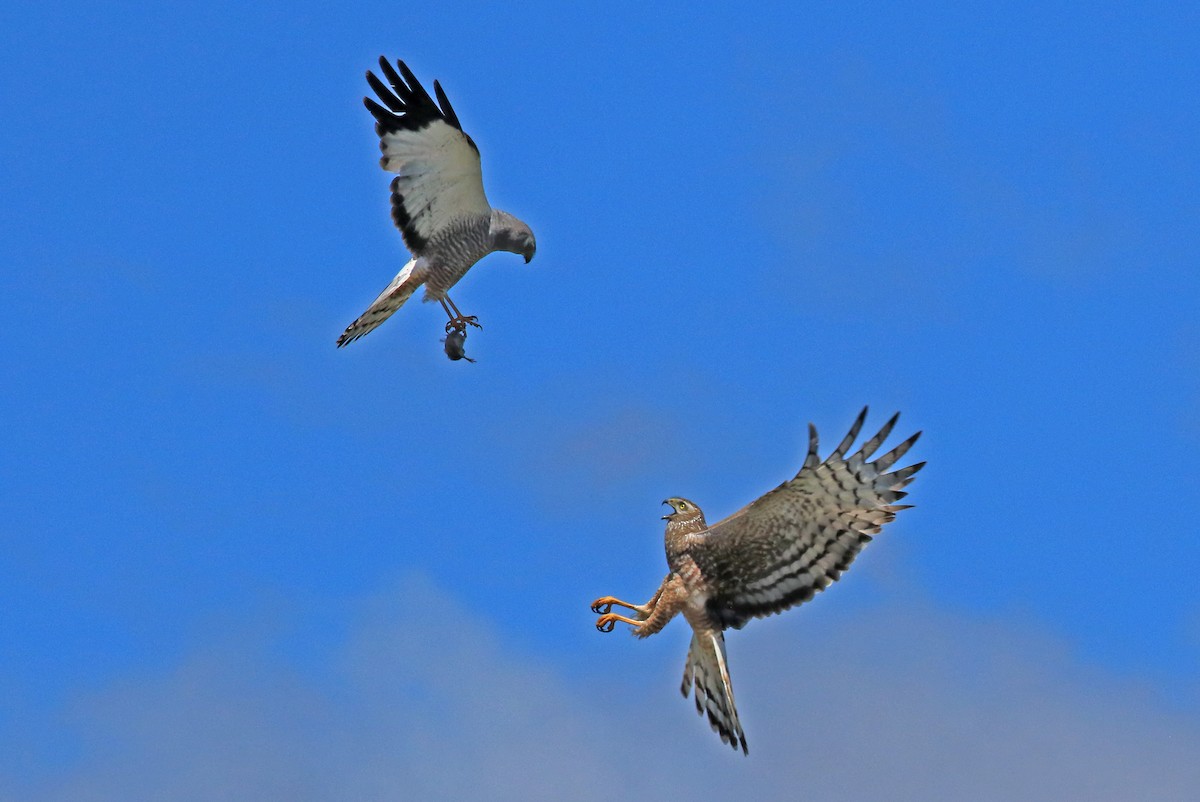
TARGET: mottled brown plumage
(775,553)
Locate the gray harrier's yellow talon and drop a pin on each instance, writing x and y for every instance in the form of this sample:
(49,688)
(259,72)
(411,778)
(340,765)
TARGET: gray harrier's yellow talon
(460,323)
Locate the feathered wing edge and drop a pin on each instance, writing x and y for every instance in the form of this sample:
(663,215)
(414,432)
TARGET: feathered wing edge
(406,104)
(392,298)
(858,469)
(707,670)
(823,547)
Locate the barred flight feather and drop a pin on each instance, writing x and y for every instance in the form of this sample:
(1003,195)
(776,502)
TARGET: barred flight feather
(801,537)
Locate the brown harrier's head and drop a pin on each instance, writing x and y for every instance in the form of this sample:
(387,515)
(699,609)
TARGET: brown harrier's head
(683,511)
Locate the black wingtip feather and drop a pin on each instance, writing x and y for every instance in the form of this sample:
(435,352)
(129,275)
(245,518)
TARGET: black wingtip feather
(393,78)
(444,103)
(413,84)
(382,116)
(410,106)
(386,95)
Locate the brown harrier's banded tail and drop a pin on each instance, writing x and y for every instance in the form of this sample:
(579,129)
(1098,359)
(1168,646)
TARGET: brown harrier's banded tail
(400,290)
(707,670)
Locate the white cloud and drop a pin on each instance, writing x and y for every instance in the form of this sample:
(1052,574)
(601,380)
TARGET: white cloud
(427,701)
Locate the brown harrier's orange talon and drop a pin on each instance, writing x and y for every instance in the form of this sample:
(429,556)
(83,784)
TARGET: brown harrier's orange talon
(605,604)
(607,621)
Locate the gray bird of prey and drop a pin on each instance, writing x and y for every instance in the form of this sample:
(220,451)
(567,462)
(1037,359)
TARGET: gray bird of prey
(775,553)
(437,198)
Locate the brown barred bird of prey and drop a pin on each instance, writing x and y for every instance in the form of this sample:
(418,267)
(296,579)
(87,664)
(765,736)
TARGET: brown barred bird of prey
(437,198)
(775,553)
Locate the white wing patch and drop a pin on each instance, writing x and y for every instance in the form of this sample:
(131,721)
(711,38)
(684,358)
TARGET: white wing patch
(439,172)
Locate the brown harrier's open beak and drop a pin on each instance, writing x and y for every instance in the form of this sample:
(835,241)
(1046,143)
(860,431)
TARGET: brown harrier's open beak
(665,517)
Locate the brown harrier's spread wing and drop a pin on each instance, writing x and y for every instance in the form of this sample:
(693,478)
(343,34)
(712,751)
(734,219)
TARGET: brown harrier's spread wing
(797,539)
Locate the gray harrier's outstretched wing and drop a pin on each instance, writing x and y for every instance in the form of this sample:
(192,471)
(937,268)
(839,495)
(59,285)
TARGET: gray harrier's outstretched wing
(438,179)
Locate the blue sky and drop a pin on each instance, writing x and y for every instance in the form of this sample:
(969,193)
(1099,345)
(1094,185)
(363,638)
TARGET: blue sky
(236,560)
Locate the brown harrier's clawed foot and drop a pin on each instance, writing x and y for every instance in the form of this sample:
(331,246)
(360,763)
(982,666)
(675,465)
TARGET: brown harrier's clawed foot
(604,604)
(606,622)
